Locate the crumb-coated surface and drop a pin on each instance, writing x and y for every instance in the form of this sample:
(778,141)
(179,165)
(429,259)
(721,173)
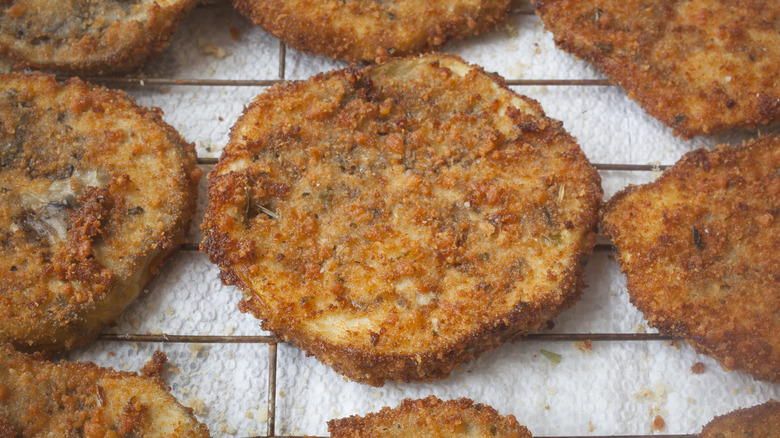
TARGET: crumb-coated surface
(430,418)
(95,191)
(362,30)
(39,398)
(699,66)
(398,220)
(87,36)
(700,248)
(762,421)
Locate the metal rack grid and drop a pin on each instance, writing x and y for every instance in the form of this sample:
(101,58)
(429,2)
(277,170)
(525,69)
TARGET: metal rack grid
(273,341)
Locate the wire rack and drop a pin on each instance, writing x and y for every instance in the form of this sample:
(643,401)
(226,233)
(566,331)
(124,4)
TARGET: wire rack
(271,341)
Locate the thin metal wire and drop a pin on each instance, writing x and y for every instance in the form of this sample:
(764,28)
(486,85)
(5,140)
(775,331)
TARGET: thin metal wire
(215,4)
(282,60)
(210,161)
(602,247)
(269,339)
(556,436)
(272,389)
(187,339)
(196,82)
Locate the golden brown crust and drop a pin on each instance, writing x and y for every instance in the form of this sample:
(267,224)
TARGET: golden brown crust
(399,220)
(699,66)
(41,398)
(699,247)
(95,192)
(430,417)
(88,36)
(363,30)
(762,421)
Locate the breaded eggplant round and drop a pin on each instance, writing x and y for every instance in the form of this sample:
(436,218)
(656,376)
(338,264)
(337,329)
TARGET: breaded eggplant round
(698,66)
(87,36)
(430,418)
(363,30)
(45,399)
(398,220)
(700,248)
(762,421)
(95,192)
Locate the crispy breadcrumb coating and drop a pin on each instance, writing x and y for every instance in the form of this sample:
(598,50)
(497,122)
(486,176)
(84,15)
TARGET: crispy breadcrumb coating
(87,36)
(699,66)
(398,220)
(762,421)
(39,398)
(363,30)
(95,192)
(701,250)
(430,418)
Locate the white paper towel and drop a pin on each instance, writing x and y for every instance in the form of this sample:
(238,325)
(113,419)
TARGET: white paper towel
(617,388)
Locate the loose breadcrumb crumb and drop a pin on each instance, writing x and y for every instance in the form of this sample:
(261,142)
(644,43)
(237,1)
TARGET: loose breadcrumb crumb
(658,424)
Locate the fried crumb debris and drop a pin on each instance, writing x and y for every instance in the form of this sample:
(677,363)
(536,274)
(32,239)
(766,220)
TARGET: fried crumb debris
(585,346)
(156,366)
(235,34)
(208,48)
(658,424)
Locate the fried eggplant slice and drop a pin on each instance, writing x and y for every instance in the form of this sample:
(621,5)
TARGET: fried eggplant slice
(363,30)
(39,398)
(87,36)
(701,251)
(95,192)
(762,421)
(398,220)
(698,66)
(430,418)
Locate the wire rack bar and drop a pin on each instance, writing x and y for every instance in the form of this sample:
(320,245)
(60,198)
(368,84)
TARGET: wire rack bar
(603,247)
(190,339)
(210,161)
(214,4)
(271,389)
(282,60)
(272,340)
(196,82)
(535,436)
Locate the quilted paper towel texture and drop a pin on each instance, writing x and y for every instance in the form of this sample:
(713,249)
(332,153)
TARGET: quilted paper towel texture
(611,388)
